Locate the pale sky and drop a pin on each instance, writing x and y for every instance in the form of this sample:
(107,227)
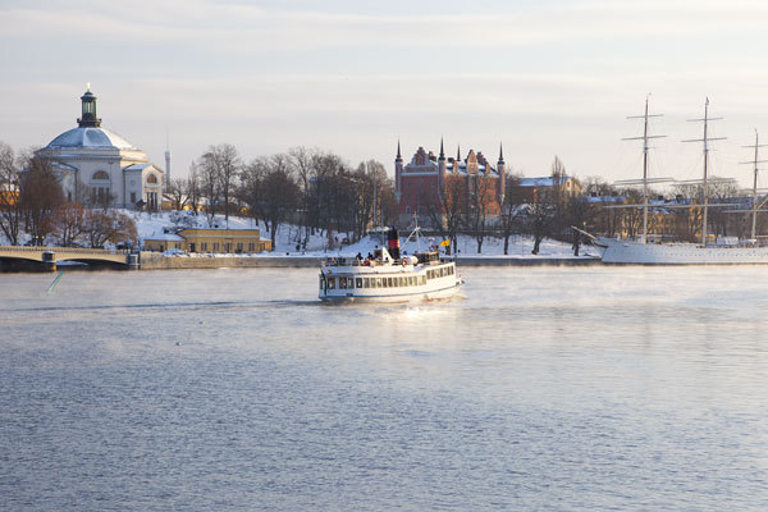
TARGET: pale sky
(544,77)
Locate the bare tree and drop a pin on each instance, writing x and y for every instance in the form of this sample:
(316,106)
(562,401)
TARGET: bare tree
(219,168)
(543,217)
(210,183)
(446,216)
(481,199)
(11,213)
(40,196)
(280,194)
(102,227)
(512,214)
(303,161)
(177,189)
(70,223)
(192,188)
(373,187)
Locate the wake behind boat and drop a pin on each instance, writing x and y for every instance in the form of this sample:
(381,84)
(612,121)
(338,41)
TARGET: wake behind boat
(387,276)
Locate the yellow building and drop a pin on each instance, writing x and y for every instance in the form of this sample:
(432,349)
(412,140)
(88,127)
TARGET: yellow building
(195,240)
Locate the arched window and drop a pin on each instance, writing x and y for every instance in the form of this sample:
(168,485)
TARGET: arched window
(152,179)
(100,175)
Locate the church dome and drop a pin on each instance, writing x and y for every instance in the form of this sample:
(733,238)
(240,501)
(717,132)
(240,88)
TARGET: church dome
(90,138)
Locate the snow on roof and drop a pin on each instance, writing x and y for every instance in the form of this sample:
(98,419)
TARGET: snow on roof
(90,137)
(538,182)
(165,237)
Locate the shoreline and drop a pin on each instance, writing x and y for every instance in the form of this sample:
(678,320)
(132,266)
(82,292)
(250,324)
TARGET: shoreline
(156,261)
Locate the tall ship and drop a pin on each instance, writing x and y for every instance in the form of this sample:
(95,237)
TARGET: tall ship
(387,276)
(645,252)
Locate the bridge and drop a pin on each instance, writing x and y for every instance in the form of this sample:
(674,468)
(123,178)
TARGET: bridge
(49,256)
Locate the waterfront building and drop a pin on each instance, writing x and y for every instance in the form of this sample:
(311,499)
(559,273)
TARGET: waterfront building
(197,240)
(429,184)
(100,168)
(530,190)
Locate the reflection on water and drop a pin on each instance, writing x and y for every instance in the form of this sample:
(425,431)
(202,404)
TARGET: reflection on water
(542,389)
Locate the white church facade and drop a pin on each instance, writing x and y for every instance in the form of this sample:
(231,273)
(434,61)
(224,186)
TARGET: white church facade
(99,167)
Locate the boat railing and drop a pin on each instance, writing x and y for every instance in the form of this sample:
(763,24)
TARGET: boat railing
(351,262)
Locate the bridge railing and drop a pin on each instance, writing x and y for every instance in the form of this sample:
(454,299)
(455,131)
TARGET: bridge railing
(75,250)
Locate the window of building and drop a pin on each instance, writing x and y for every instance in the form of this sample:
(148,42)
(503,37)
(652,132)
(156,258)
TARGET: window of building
(204,246)
(151,178)
(251,246)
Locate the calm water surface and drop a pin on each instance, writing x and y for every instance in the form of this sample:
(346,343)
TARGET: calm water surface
(543,389)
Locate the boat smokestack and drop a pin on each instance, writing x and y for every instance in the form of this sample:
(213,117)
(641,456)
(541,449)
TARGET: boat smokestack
(393,243)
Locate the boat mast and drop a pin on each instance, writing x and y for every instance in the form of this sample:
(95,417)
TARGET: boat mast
(706,141)
(645,139)
(754,163)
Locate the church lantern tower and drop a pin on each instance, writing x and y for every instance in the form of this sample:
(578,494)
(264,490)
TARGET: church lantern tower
(89,119)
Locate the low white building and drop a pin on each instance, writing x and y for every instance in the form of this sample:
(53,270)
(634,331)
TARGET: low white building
(98,166)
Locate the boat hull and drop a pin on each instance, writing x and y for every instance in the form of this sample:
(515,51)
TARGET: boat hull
(622,252)
(395,297)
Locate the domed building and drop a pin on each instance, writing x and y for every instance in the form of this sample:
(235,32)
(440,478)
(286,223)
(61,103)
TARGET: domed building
(99,167)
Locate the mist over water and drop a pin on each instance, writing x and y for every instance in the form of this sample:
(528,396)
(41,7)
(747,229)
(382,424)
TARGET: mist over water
(625,388)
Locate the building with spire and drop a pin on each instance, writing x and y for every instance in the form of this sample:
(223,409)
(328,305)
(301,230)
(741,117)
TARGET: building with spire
(423,185)
(100,168)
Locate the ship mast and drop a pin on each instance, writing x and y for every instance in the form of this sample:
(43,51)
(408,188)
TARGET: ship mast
(645,138)
(706,139)
(754,163)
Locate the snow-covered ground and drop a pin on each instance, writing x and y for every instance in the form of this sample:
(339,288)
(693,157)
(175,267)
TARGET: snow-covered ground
(156,224)
(287,236)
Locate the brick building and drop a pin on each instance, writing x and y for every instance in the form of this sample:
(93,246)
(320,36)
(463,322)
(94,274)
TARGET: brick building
(424,185)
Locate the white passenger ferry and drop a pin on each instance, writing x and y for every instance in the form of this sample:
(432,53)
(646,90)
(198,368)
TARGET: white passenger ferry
(386,276)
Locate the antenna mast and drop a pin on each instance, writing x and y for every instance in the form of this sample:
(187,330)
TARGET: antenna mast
(645,138)
(706,139)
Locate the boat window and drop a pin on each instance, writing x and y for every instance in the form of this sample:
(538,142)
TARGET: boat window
(342,283)
(331,283)
(378,282)
(322,283)
(359,282)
